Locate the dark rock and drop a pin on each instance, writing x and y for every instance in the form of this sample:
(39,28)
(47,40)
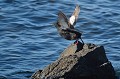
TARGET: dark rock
(89,62)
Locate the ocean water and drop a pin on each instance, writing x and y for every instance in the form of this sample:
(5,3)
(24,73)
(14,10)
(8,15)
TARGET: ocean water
(29,41)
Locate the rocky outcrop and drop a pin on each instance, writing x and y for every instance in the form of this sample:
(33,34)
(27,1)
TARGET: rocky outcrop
(86,61)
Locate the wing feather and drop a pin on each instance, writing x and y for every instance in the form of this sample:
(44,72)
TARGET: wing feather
(74,16)
(62,20)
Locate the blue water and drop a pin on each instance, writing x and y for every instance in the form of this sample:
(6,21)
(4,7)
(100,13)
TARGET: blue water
(29,42)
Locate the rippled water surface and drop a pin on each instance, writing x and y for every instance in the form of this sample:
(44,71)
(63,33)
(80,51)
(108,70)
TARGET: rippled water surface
(29,42)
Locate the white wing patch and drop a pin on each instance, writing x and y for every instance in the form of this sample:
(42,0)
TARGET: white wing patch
(74,17)
(72,20)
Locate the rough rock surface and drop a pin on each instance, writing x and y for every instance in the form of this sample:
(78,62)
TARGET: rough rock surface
(86,61)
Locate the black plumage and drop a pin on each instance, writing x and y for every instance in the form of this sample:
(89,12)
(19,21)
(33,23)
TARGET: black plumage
(65,26)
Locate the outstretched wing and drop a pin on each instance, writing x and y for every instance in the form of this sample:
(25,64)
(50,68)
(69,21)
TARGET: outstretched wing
(74,16)
(62,20)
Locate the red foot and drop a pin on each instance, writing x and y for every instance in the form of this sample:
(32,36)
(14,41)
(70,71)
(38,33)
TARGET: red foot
(76,42)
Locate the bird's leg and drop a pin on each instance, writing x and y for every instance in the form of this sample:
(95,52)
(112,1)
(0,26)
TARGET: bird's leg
(79,45)
(76,42)
(82,41)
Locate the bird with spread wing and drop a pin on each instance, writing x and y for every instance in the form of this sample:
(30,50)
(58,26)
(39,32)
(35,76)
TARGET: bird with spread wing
(65,26)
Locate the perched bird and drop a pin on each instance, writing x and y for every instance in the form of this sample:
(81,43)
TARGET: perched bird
(65,26)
